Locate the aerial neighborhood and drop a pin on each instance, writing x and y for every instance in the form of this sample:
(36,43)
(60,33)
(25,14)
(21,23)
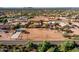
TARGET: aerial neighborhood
(37,25)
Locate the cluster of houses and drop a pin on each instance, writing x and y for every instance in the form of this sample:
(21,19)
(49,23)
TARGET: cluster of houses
(36,21)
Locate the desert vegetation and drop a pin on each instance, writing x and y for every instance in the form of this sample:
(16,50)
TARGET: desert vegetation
(44,46)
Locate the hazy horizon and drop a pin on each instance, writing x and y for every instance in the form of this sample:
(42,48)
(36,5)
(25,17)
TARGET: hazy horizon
(39,3)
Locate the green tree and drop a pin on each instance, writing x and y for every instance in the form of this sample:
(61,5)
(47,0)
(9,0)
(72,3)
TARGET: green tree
(17,26)
(52,49)
(1,20)
(17,48)
(44,46)
(67,45)
(29,46)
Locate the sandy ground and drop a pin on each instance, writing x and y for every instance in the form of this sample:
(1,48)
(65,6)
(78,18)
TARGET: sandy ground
(42,34)
(75,31)
(36,34)
(5,36)
(38,18)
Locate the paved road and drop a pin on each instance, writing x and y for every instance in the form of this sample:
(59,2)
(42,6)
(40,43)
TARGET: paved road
(22,42)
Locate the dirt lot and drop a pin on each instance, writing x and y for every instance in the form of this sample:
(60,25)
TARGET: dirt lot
(44,18)
(75,31)
(5,36)
(42,34)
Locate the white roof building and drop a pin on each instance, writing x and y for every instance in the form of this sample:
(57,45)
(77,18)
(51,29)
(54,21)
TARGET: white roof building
(63,24)
(16,35)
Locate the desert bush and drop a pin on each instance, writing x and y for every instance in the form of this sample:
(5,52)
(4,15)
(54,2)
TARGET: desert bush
(44,46)
(67,45)
(52,49)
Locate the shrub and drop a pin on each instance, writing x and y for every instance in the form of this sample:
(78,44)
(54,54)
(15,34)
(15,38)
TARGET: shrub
(44,46)
(29,46)
(67,45)
(76,37)
(52,49)
(74,50)
(66,35)
(17,26)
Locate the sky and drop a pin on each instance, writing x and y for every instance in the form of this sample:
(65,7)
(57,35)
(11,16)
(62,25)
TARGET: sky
(39,3)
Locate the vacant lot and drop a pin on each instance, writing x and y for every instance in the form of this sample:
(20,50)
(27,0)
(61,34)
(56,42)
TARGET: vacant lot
(5,36)
(42,34)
